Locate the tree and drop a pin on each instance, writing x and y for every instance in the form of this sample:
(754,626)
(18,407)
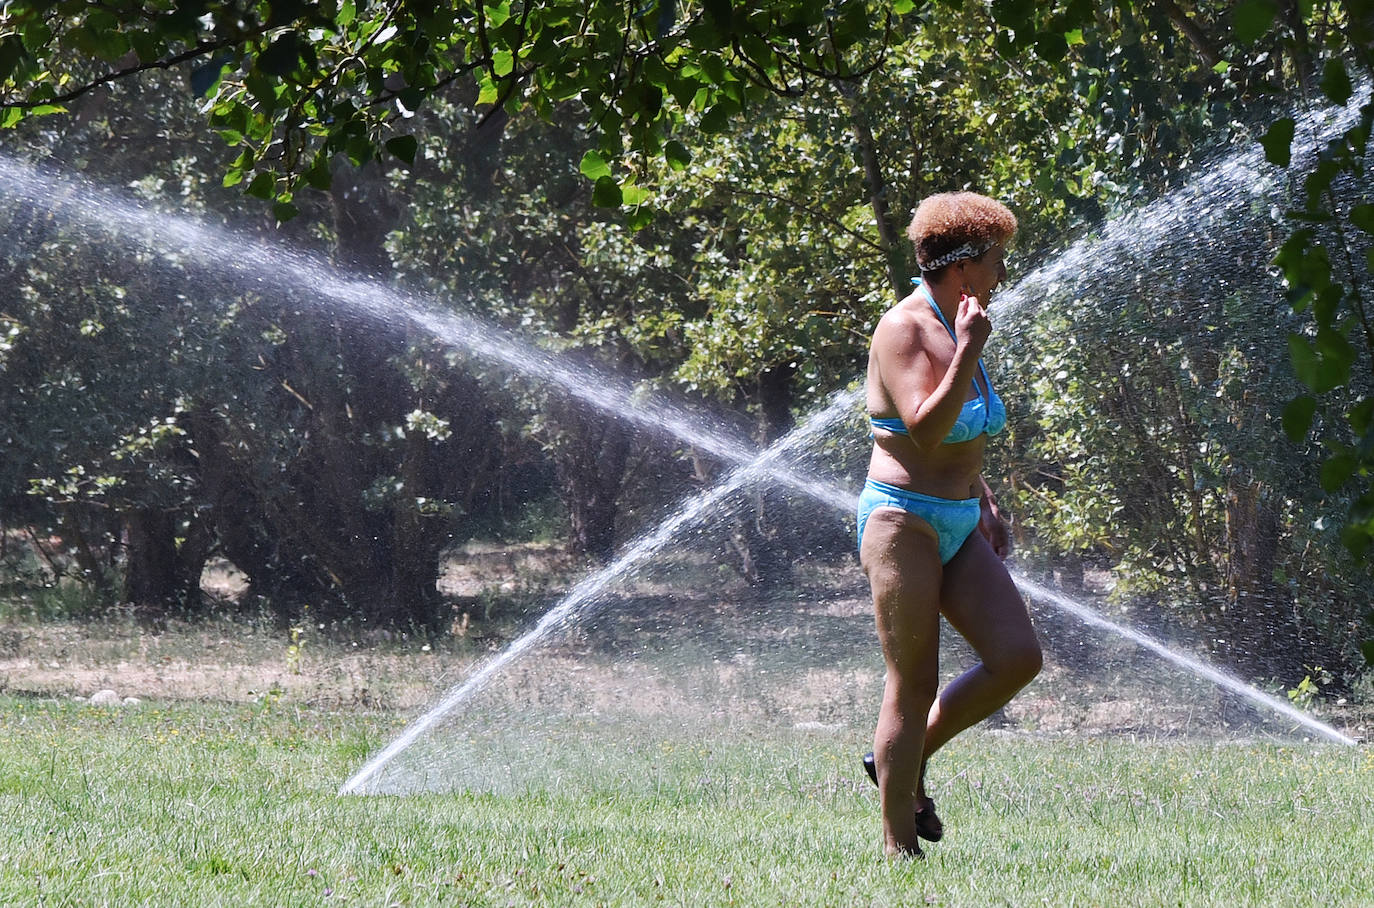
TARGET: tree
(198,416)
(1069,110)
(296,84)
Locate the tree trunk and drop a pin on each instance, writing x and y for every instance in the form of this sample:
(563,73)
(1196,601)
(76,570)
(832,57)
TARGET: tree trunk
(591,459)
(877,187)
(235,511)
(765,537)
(156,581)
(414,588)
(1263,634)
(1202,43)
(74,523)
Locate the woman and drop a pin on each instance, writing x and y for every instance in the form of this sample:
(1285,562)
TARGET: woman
(932,409)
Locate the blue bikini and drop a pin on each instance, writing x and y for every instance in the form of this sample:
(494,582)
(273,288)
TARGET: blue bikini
(953,520)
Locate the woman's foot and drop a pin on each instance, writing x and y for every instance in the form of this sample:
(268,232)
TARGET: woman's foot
(913,853)
(928,825)
(871,767)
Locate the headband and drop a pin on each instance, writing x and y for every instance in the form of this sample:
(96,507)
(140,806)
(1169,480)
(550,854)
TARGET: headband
(966,251)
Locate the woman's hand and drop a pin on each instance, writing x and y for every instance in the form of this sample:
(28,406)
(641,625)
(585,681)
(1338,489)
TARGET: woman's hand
(996,532)
(971,324)
(990,523)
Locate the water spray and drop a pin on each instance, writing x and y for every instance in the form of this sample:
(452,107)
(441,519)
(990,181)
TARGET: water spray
(583,596)
(119,217)
(1241,173)
(1218,677)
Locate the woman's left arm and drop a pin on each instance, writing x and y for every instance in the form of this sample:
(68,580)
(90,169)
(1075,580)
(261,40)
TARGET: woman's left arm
(991,524)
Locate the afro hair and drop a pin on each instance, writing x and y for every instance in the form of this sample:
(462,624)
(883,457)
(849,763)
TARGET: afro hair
(945,222)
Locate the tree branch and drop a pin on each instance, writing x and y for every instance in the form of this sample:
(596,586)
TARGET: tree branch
(1206,48)
(200,50)
(818,215)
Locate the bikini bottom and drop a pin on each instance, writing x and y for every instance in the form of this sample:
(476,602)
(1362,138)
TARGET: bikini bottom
(953,520)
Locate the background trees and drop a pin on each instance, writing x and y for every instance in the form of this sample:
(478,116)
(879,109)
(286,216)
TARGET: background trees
(708,198)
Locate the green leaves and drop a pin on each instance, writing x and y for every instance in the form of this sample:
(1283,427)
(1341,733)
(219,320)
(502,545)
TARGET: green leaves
(1323,280)
(1278,142)
(1323,365)
(1335,82)
(606,193)
(263,186)
(676,154)
(403,147)
(1362,216)
(99,37)
(289,81)
(281,57)
(1338,469)
(594,166)
(1051,46)
(1251,19)
(1297,417)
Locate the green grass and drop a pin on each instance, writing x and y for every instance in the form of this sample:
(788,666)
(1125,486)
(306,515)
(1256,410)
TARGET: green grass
(217,804)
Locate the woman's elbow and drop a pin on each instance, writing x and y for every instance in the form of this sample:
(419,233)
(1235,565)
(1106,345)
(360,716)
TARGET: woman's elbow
(925,442)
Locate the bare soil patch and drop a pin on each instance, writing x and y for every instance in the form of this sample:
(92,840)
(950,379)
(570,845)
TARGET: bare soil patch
(695,641)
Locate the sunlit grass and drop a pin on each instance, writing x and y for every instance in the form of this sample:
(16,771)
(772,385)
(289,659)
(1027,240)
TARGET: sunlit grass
(191,803)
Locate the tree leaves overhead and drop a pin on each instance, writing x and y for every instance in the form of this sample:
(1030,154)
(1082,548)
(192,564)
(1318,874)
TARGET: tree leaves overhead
(1252,19)
(296,83)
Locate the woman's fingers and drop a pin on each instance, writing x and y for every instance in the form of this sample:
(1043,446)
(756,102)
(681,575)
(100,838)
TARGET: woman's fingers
(972,320)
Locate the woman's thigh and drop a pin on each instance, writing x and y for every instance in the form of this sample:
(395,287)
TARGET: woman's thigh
(980,601)
(901,557)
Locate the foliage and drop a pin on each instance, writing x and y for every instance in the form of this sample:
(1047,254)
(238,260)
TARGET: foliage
(1262,58)
(295,84)
(1310,687)
(157,408)
(1328,259)
(709,198)
(1152,451)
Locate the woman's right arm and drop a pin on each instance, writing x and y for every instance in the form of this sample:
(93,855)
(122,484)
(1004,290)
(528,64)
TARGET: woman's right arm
(927,400)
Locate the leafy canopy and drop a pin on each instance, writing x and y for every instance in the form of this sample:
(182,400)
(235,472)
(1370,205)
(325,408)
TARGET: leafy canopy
(293,84)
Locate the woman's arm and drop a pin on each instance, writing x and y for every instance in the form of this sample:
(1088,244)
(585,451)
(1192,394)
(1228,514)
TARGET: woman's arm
(990,522)
(908,373)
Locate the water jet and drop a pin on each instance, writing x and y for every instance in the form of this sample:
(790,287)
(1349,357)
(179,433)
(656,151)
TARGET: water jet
(113,216)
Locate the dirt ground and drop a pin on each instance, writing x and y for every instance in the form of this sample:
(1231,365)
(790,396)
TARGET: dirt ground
(807,658)
(238,661)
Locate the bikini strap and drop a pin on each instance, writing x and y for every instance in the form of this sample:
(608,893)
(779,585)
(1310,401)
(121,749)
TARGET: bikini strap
(930,298)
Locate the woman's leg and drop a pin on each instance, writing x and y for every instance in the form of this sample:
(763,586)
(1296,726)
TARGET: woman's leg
(901,558)
(980,601)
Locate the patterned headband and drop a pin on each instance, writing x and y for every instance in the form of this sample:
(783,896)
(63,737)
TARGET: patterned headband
(966,251)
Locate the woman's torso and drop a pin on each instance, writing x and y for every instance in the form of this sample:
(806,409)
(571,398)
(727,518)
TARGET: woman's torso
(949,470)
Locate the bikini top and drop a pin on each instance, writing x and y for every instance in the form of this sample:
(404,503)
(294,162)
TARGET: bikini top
(982,414)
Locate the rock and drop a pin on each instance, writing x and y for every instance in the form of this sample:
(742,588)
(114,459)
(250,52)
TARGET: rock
(105,697)
(132,701)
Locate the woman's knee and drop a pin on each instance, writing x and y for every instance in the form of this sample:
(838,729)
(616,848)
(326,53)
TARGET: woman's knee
(1015,661)
(1019,663)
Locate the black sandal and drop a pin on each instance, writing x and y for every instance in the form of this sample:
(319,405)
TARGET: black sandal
(928,825)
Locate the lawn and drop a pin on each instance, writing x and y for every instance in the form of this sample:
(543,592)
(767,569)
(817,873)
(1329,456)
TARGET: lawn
(181,802)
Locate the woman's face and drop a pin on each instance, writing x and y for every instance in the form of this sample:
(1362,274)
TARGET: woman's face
(983,274)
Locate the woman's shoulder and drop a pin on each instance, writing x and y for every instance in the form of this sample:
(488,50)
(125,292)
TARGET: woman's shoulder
(906,320)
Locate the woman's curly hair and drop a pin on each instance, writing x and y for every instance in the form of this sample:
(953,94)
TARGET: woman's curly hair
(945,223)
